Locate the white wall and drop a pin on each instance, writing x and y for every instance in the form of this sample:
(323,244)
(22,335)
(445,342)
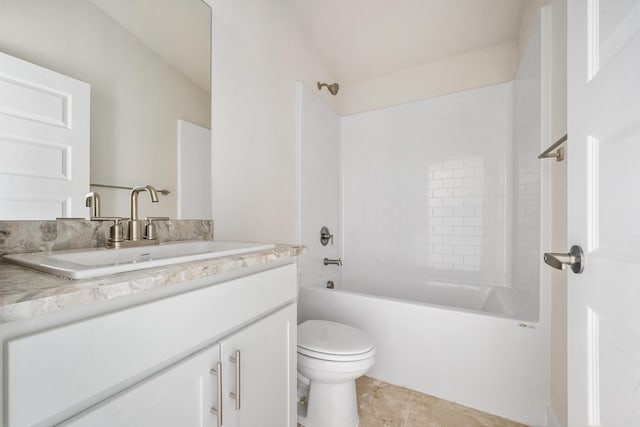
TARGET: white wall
(529,24)
(260,52)
(320,189)
(194,171)
(471,70)
(425,188)
(136,97)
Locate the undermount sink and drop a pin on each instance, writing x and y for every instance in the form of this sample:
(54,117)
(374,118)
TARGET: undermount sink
(87,263)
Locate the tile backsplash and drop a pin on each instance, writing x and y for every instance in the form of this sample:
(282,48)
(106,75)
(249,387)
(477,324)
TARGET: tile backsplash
(39,236)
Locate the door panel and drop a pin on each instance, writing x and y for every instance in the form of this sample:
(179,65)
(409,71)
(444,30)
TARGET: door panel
(194,171)
(44,142)
(611,25)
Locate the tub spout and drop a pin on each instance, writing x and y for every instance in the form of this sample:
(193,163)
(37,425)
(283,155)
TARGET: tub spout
(337,262)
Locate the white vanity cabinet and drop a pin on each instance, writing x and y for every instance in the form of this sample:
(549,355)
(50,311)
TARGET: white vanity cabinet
(256,379)
(159,363)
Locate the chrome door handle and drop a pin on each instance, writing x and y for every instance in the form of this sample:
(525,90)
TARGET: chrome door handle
(236,395)
(575,259)
(218,410)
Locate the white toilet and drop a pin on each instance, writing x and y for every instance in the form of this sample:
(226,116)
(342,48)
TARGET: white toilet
(330,358)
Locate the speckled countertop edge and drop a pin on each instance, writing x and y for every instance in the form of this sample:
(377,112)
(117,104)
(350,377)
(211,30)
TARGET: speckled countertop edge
(25,293)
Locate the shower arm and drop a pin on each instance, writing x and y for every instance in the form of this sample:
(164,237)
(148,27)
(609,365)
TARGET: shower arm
(333,88)
(558,155)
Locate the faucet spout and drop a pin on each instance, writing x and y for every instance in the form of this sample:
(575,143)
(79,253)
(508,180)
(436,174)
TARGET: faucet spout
(134,198)
(92,200)
(135,229)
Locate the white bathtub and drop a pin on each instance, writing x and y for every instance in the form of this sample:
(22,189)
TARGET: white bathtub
(459,342)
(496,301)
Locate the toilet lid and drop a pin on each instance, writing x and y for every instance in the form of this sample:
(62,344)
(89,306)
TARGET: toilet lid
(323,336)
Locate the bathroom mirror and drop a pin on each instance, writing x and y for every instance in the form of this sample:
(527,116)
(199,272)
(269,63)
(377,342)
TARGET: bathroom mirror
(148,65)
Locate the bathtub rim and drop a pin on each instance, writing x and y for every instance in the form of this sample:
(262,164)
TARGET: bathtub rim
(525,323)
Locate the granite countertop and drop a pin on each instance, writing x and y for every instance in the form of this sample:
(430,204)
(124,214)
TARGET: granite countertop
(26,293)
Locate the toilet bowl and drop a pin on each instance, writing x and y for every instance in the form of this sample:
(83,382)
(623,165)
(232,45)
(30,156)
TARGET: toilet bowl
(331,356)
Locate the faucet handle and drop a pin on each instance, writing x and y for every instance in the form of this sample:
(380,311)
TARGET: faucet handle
(116,234)
(150,233)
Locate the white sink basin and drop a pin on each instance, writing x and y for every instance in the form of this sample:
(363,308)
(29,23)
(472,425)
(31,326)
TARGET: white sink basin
(86,263)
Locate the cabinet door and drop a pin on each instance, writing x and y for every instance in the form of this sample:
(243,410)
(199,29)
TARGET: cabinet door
(266,371)
(181,395)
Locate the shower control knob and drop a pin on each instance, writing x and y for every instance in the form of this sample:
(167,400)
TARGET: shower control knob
(325,236)
(574,259)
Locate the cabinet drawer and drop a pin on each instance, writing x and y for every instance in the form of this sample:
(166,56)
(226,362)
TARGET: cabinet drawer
(63,370)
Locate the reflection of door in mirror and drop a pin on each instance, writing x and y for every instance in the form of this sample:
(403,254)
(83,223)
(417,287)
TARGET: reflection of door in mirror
(147,62)
(44,142)
(194,171)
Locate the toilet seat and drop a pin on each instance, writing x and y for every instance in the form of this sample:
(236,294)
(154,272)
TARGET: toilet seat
(332,341)
(336,357)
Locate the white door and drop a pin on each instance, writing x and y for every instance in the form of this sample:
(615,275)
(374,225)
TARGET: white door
(604,212)
(267,373)
(44,142)
(182,395)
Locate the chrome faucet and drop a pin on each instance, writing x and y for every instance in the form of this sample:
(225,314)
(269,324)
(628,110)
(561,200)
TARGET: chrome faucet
(92,200)
(135,225)
(117,237)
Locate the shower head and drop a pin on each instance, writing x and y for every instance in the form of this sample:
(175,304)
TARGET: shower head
(333,88)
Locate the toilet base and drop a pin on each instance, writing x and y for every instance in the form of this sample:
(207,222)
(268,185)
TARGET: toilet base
(331,405)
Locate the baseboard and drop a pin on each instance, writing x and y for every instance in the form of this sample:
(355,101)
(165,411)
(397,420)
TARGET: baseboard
(552,419)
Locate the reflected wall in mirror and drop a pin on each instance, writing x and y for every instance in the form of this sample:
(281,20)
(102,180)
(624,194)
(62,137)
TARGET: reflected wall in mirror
(148,65)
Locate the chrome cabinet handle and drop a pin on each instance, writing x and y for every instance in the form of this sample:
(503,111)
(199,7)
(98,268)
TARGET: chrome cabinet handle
(218,410)
(575,259)
(236,395)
